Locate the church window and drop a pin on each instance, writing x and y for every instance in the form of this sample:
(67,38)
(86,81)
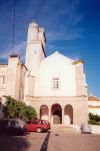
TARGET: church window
(56,83)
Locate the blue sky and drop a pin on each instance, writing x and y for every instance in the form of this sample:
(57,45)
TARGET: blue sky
(72,27)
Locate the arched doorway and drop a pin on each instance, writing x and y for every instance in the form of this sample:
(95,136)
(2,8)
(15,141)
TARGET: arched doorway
(68,114)
(44,112)
(56,112)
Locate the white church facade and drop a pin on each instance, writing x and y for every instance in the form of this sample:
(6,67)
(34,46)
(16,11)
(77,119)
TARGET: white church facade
(55,85)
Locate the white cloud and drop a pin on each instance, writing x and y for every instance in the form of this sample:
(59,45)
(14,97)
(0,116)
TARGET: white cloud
(61,23)
(62,35)
(19,49)
(59,18)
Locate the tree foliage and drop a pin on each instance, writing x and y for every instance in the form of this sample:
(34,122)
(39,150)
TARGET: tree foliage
(18,109)
(94,119)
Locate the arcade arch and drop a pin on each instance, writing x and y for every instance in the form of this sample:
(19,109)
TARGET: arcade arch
(56,114)
(44,112)
(68,115)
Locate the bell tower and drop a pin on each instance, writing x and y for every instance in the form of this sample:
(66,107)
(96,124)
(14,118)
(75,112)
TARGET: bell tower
(35,50)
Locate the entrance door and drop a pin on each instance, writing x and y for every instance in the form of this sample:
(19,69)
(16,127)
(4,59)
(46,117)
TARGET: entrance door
(56,114)
(57,117)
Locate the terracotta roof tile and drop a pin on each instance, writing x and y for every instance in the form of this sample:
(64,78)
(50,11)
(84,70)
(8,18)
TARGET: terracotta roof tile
(93,98)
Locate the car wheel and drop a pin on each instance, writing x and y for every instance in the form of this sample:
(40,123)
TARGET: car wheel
(39,130)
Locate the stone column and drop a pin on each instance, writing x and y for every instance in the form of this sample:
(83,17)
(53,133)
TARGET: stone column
(62,115)
(38,113)
(49,114)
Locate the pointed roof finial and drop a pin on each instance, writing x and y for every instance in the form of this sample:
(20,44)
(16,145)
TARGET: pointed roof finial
(33,23)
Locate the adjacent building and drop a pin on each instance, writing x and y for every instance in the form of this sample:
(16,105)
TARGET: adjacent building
(94,105)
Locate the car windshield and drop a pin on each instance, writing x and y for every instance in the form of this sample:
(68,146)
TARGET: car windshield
(28,122)
(34,122)
(47,122)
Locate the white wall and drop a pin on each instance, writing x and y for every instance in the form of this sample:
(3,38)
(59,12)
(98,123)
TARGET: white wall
(3,79)
(56,65)
(94,107)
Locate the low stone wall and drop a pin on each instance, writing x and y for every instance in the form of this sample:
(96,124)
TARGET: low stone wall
(95,129)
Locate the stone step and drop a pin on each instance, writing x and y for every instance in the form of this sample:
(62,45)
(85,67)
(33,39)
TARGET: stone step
(65,128)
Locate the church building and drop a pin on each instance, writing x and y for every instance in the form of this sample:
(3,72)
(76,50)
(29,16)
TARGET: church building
(54,85)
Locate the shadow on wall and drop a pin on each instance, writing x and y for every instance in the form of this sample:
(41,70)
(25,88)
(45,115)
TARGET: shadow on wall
(13,143)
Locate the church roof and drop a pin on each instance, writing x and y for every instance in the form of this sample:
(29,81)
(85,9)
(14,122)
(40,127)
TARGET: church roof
(57,55)
(92,98)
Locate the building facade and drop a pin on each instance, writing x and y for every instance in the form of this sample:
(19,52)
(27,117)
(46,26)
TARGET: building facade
(54,85)
(94,105)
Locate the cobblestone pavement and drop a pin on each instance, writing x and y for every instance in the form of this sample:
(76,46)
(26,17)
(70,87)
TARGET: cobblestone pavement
(52,141)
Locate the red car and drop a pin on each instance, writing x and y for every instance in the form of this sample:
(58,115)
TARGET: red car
(37,126)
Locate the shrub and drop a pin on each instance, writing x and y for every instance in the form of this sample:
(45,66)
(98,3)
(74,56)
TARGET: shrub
(93,122)
(94,119)
(18,109)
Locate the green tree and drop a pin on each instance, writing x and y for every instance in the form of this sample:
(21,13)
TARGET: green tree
(94,119)
(18,109)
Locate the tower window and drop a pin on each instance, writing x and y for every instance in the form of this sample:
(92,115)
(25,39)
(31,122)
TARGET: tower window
(55,83)
(2,79)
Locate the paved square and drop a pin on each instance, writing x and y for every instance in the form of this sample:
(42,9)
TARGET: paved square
(53,141)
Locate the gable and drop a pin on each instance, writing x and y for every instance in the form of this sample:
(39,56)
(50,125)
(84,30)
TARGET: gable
(56,59)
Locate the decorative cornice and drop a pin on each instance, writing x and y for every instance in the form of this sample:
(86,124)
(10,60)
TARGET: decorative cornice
(78,62)
(14,56)
(93,107)
(3,64)
(55,97)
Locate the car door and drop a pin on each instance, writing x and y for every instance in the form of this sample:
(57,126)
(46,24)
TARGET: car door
(41,124)
(34,125)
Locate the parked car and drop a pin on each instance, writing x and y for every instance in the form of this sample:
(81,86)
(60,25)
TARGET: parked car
(12,126)
(38,126)
(86,128)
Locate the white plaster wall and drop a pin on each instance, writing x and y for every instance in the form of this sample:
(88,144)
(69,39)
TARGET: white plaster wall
(94,103)
(66,119)
(35,46)
(45,117)
(81,88)
(94,109)
(41,36)
(34,54)
(15,78)
(56,65)
(29,85)
(95,129)
(11,76)
(32,32)
(22,81)
(3,74)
